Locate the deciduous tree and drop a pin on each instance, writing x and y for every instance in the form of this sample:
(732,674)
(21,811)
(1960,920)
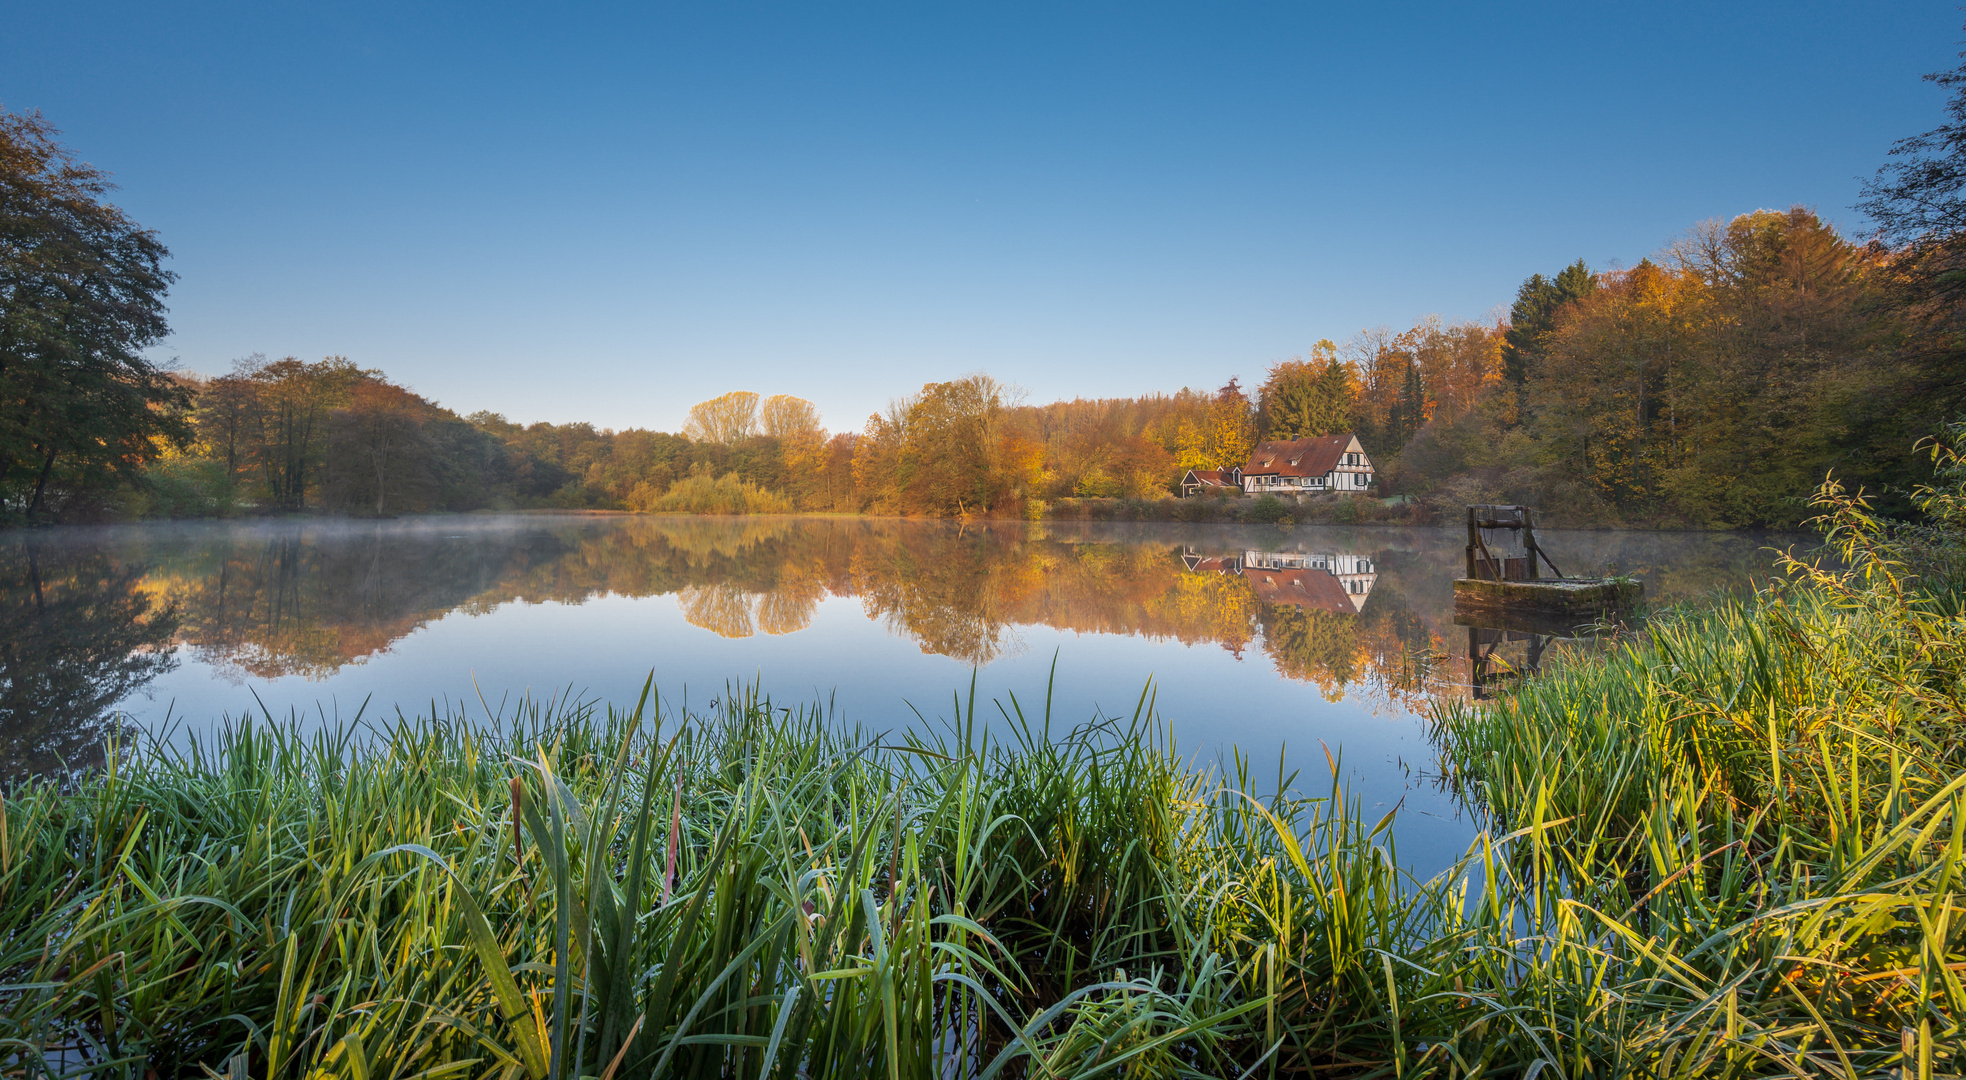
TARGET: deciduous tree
(727,419)
(81,297)
(783,416)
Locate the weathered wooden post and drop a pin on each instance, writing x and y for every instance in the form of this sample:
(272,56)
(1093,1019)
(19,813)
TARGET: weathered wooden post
(1471,542)
(1529,539)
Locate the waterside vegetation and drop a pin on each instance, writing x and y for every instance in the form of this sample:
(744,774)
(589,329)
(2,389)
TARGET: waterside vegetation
(1729,847)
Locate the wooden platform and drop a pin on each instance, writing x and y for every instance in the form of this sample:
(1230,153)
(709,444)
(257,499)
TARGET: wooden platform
(1553,596)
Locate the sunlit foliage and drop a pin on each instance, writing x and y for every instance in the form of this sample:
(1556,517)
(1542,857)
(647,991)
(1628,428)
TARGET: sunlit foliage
(728,419)
(81,297)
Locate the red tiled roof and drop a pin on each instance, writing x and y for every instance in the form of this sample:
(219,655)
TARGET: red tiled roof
(1298,457)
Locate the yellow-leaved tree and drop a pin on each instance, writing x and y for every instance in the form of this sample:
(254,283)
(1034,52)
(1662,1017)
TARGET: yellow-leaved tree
(728,419)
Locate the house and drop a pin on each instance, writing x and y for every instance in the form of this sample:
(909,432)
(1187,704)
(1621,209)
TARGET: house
(1322,581)
(1307,466)
(1201,481)
(1319,581)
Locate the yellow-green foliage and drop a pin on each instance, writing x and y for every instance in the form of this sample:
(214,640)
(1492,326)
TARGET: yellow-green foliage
(701,494)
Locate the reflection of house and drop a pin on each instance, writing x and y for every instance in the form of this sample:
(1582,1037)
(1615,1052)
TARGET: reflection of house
(1325,581)
(1305,466)
(1212,564)
(1202,481)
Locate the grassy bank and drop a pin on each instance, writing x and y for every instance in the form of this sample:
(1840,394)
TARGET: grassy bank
(1729,848)
(1772,786)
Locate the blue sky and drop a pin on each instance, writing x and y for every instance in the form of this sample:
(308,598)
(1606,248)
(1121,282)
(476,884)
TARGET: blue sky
(609,212)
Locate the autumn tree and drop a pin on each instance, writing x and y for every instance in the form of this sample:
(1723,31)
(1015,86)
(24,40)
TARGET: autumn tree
(793,422)
(829,479)
(1605,398)
(1784,384)
(1302,398)
(81,297)
(727,419)
(380,454)
(225,415)
(946,450)
(1222,436)
(289,419)
(1110,446)
(783,416)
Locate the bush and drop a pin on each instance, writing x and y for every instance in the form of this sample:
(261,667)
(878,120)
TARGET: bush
(183,487)
(1269,509)
(699,494)
(1194,510)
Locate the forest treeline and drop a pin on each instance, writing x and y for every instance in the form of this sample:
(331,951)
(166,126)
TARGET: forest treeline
(1713,384)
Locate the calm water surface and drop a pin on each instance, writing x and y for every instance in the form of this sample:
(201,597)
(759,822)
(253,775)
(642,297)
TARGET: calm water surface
(1277,642)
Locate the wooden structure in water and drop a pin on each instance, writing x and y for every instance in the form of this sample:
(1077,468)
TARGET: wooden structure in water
(1504,571)
(1502,544)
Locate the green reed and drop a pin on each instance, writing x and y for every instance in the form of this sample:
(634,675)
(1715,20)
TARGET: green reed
(1737,836)
(1728,848)
(570,891)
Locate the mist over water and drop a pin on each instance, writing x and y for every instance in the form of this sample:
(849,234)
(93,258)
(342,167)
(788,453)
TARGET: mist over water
(1266,645)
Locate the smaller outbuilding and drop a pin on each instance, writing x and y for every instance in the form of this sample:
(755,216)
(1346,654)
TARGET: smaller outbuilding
(1202,481)
(1307,466)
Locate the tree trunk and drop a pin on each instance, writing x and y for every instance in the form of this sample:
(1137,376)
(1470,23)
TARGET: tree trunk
(41,484)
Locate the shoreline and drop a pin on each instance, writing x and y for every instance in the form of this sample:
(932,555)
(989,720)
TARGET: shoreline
(1108,512)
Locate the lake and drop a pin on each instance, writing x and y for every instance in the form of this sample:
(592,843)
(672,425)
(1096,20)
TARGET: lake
(1281,643)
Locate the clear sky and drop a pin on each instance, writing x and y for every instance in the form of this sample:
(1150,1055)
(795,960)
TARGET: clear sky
(609,212)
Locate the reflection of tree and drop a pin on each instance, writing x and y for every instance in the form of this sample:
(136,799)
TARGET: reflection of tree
(307,599)
(943,592)
(1401,651)
(721,609)
(703,540)
(77,635)
(1316,646)
(788,609)
(1209,607)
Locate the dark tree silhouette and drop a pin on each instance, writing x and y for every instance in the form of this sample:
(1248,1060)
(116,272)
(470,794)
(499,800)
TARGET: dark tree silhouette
(76,637)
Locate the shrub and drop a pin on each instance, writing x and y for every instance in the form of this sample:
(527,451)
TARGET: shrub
(1194,510)
(699,494)
(1269,509)
(183,487)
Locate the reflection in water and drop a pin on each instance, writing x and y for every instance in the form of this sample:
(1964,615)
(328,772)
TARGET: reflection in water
(1326,581)
(1499,659)
(1358,613)
(77,635)
(1504,647)
(1310,606)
